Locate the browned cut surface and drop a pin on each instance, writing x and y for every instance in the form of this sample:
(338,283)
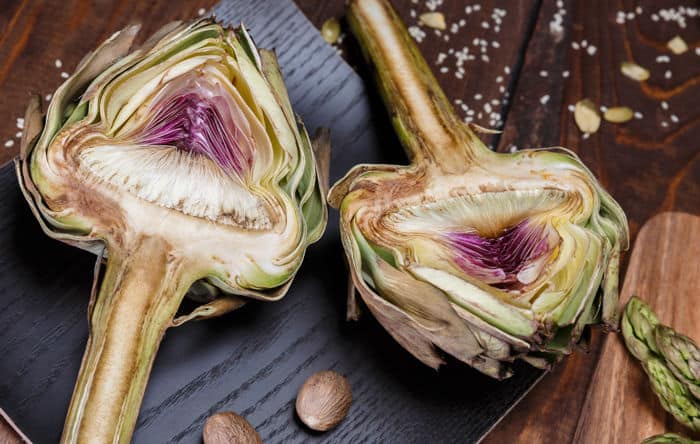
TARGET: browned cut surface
(664,271)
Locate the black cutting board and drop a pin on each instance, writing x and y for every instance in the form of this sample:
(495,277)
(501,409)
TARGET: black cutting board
(254,360)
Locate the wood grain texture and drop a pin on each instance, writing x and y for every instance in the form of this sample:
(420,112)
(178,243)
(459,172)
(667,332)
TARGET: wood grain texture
(9,433)
(664,271)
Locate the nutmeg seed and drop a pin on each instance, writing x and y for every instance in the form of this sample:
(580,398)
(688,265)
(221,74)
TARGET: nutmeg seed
(324,400)
(228,428)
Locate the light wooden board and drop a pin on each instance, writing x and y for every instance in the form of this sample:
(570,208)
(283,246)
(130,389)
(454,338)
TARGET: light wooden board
(664,270)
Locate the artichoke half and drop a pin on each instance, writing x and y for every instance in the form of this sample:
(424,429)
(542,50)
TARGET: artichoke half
(489,257)
(184,164)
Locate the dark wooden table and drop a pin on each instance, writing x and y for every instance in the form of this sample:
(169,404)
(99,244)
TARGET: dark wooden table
(527,63)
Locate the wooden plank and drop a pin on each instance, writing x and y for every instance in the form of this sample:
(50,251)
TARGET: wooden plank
(9,433)
(482,92)
(664,271)
(647,167)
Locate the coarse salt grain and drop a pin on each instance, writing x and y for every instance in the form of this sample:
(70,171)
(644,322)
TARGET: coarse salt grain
(477,96)
(663,59)
(591,50)
(201,11)
(638,115)
(544,99)
(18,134)
(584,43)
(58,63)
(565,74)
(586,135)
(507,68)
(668,74)
(543,73)
(664,104)
(664,124)
(9,143)
(20,122)
(575,45)
(603,108)
(47,97)
(499,79)
(674,118)
(64,75)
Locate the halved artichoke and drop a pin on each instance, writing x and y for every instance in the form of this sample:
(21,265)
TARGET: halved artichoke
(489,257)
(184,163)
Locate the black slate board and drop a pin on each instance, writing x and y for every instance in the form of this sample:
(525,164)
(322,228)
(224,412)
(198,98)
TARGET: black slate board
(254,360)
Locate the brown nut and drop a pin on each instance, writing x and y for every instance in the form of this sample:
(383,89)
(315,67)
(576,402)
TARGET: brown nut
(324,400)
(228,428)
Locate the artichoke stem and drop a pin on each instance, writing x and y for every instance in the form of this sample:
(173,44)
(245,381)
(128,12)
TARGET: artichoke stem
(140,293)
(422,116)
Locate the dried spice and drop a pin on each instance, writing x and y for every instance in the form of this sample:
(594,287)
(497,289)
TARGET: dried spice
(618,114)
(324,400)
(634,71)
(586,116)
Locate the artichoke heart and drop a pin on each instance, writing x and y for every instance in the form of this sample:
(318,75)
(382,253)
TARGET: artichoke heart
(182,162)
(488,257)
